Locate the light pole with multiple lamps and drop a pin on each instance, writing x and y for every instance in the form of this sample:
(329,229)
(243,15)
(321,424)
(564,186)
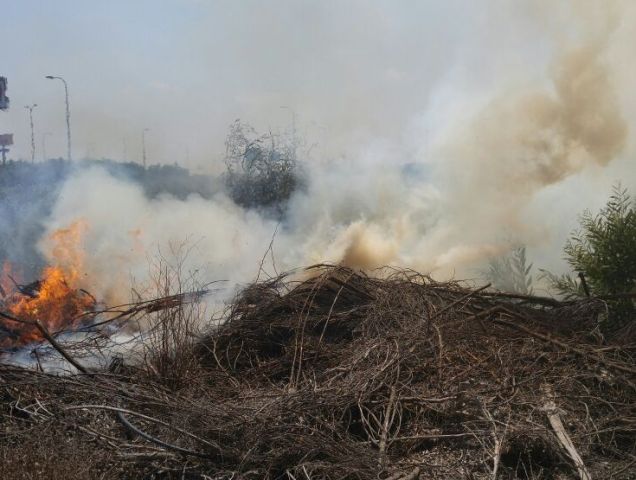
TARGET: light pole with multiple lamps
(143,145)
(30,109)
(68,115)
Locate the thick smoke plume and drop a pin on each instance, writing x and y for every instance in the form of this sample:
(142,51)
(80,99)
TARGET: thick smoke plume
(525,140)
(485,178)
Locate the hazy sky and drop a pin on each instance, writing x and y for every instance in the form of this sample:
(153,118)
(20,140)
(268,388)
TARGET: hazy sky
(521,114)
(354,72)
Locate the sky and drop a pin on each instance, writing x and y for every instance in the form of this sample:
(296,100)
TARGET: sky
(521,113)
(353,73)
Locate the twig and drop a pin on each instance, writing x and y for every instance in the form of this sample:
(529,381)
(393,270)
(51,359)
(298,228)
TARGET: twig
(44,331)
(586,289)
(127,424)
(548,301)
(269,250)
(564,439)
(458,301)
(623,469)
(428,400)
(433,436)
(498,441)
(415,473)
(124,421)
(386,425)
(555,341)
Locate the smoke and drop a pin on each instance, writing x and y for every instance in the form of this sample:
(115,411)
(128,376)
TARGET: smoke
(478,169)
(525,139)
(125,233)
(27,195)
(536,139)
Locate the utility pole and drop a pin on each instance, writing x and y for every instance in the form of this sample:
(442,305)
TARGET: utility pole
(143,146)
(6,139)
(30,109)
(68,115)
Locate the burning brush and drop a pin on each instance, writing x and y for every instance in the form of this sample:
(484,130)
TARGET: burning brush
(56,311)
(54,301)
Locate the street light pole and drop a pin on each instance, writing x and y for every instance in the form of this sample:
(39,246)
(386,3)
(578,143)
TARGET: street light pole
(30,109)
(143,145)
(68,115)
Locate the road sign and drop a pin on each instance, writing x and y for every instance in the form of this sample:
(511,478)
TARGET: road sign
(4,100)
(6,139)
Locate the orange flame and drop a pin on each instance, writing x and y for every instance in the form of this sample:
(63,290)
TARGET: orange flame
(55,300)
(65,247)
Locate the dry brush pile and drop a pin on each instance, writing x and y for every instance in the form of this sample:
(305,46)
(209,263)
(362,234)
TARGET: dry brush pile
(340,375)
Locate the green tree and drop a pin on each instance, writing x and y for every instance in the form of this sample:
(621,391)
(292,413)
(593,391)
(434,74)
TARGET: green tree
(603,250)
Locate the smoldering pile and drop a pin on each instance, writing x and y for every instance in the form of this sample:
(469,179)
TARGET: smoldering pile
(341,375)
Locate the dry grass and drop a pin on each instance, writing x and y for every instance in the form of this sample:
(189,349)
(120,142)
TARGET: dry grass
(54,455)
(346,376)
(171,334)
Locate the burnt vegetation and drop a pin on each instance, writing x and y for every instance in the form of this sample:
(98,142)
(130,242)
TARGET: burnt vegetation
(331,374)
(263,170)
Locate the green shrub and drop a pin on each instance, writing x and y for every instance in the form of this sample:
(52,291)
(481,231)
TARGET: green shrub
(603,250)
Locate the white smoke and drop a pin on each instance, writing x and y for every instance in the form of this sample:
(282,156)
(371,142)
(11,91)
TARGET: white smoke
(518,158)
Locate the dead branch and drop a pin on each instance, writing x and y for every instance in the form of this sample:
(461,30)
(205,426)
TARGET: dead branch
(398,371)
(564,439)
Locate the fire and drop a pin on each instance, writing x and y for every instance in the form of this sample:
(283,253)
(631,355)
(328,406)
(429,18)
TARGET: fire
(56,300)
(65,249)
(55,303)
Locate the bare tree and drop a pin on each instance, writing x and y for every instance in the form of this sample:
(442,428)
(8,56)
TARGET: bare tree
(262,170)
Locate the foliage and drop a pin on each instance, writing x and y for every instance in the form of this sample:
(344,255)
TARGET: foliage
(604,251)
(262,170)
(511,273)
(565,284)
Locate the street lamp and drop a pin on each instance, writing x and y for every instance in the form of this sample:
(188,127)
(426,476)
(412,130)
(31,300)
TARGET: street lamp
(30,109)
(44,135)
(68,114)
(143,145)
